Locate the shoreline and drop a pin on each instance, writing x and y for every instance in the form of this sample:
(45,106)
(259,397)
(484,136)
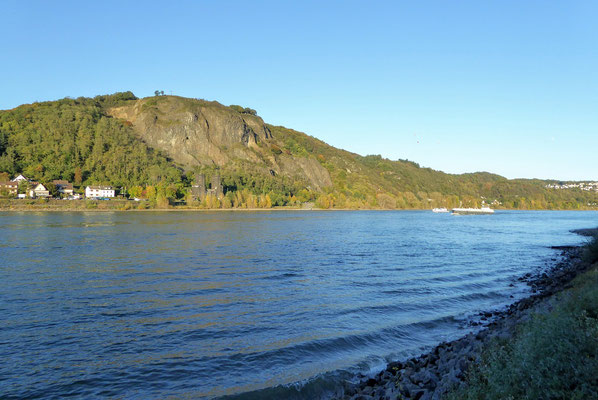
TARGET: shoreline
(40,208)
(444,368)
(215,210)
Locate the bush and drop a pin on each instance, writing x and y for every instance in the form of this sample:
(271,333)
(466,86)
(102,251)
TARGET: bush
(275,149)
(163,201)
(118,98)
(243,110)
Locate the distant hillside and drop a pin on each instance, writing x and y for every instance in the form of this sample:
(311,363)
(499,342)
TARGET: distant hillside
(157,144)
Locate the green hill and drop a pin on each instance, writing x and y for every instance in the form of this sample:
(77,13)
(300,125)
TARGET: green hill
(154,147)
(76,140)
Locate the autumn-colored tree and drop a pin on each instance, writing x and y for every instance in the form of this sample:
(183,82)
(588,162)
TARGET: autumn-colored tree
(268,201)
(136,191)
(386,201)
(162,201)
(78,176)
(212,202)
(150,192)
(227,202)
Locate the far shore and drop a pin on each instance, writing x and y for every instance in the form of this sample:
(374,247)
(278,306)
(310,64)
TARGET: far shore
(121,205)
(185,209)
(189,209)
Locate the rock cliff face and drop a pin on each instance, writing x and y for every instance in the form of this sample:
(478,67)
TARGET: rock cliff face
(197,132)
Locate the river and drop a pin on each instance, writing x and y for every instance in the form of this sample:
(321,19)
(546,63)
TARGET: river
(281,304)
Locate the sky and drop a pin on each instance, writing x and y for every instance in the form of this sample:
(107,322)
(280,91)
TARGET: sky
(509,87)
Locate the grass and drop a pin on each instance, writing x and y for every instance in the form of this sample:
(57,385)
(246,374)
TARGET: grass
(552,356)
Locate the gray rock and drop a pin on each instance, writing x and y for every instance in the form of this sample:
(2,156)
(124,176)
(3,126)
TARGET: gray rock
(391,392)
(409,389)
(368,390)
(419,394)
(386,375)
(407,372)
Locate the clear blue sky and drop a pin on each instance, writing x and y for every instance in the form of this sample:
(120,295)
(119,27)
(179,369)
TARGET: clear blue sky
(509,87)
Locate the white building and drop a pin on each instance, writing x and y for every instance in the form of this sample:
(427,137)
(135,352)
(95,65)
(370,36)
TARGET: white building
(92,192)
(38,190)
(20,178)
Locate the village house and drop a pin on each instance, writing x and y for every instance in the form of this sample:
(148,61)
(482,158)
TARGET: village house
(99,191)
(38,190)
(20,178)
(64,187)
(10,188)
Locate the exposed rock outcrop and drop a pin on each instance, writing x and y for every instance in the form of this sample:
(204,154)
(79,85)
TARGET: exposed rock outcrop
(197,132)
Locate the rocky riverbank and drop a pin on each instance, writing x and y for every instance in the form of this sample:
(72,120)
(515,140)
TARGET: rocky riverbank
(432,375)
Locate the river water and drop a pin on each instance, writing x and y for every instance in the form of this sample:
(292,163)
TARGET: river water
(282,304)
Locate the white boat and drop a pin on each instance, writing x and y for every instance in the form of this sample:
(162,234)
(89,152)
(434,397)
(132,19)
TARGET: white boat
(440,210)
(483,210)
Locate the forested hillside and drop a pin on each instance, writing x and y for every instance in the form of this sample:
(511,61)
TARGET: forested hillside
(154,147)
(362,180)
(76,140)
